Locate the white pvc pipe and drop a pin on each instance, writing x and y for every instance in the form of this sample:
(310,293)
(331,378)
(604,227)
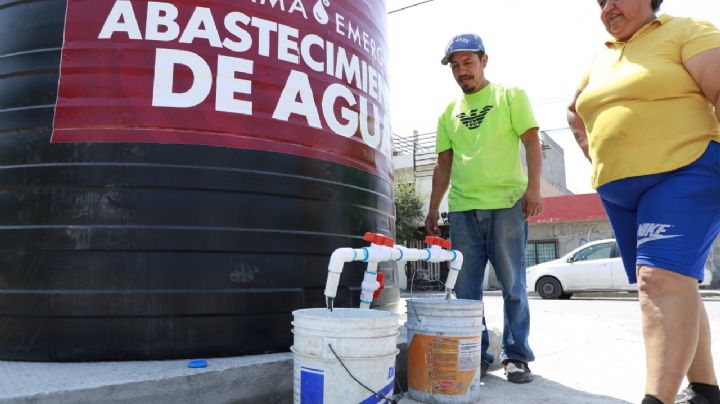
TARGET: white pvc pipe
(455,265)
(377,253)
(369,285)
(337,260)
(433,254)
(372,255)
(437,254)
(401,253)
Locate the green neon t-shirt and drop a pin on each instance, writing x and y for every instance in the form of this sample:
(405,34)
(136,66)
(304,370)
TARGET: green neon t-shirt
(483,130)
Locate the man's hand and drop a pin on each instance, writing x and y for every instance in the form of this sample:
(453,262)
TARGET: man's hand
(431,223)
(532,203)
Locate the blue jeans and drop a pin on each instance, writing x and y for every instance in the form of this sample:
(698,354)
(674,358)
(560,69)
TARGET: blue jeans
(498,235)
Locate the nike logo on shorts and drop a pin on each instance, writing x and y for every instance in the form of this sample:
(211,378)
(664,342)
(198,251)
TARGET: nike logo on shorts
(654,231)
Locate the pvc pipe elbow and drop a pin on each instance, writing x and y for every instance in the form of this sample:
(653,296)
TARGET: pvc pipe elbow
(457,261)
(455,265)
(337,260)
(339,257)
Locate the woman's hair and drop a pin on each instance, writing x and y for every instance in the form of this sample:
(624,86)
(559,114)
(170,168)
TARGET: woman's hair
(656,4)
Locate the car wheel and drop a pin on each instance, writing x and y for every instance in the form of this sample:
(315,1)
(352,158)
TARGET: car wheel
(549,288)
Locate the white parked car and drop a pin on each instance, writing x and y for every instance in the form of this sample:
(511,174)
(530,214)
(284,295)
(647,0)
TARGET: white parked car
(593,267)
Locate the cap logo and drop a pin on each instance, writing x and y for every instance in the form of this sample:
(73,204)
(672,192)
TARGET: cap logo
(463,42)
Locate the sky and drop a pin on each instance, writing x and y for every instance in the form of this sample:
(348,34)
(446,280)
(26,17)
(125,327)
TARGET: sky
(541,46)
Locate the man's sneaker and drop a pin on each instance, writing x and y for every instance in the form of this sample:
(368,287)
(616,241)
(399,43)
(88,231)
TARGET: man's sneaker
(690,396)
(517,371)
(484,368)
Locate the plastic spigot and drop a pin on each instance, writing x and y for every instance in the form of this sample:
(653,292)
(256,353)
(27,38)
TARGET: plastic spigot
(380,279)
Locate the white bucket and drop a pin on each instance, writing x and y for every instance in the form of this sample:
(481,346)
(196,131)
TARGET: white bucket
(444,343)
(364,340)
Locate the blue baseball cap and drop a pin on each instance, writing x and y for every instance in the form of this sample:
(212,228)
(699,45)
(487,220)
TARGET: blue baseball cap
(463,43)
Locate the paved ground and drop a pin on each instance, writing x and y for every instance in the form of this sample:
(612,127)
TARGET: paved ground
(588,349)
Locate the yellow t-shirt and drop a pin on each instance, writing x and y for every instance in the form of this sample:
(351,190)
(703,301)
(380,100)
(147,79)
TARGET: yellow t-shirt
(643,112)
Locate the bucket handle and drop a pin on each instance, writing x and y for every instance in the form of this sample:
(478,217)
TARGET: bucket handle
(377,394)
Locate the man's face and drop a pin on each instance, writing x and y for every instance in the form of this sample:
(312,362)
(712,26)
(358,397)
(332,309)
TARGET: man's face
(468,68)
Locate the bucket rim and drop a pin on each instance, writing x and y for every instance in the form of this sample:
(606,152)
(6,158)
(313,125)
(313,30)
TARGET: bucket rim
(358,334)
(347,358)
(344,313)
(444,304)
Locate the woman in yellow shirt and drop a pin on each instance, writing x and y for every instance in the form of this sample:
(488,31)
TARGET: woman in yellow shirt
(647,116)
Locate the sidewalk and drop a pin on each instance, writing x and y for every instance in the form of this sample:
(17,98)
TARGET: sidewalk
(579,358)
(588,350)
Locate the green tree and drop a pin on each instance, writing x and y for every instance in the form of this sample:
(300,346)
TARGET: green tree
(408,212)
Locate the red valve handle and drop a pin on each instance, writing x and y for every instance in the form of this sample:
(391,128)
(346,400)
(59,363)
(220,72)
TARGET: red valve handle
(380,279)
(438,241)
(379,239)
(369,237)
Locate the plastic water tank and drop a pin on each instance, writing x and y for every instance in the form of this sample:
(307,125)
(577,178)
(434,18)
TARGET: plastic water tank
(173,177)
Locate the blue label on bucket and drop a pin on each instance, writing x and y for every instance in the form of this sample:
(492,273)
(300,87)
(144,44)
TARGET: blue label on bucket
(312,383)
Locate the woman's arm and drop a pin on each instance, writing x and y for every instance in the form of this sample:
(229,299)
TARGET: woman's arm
(577,126)
(705,70)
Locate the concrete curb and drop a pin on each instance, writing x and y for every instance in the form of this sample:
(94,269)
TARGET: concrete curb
(260,378)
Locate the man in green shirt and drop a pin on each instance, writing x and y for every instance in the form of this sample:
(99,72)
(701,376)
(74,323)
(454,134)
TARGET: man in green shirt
(478,146)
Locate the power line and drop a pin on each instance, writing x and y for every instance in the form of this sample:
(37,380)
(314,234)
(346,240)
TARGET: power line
(410,6)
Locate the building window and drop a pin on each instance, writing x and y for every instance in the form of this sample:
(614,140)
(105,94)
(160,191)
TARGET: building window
(541,251)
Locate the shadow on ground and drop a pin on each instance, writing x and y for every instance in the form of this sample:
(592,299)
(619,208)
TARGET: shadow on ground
(496,389)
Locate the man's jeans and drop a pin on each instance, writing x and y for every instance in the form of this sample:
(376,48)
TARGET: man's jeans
(498,235)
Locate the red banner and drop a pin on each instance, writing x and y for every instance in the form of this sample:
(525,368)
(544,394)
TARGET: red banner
(304,77)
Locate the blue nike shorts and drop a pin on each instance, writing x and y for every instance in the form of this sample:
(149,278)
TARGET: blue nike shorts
(667,220)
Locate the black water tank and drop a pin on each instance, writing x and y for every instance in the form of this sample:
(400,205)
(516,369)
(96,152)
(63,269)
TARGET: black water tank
(136,225)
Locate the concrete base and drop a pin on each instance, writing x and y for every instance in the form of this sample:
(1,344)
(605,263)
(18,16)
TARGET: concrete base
(247,379)
(261,378)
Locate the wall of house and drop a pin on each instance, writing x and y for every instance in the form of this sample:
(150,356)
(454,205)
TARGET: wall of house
(553,167)
(571,235)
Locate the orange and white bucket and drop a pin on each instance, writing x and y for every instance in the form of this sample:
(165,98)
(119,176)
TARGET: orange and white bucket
(444,344)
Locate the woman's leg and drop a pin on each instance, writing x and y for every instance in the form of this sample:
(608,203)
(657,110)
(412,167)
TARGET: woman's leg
(671,310)
(702,369)
(678,219)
